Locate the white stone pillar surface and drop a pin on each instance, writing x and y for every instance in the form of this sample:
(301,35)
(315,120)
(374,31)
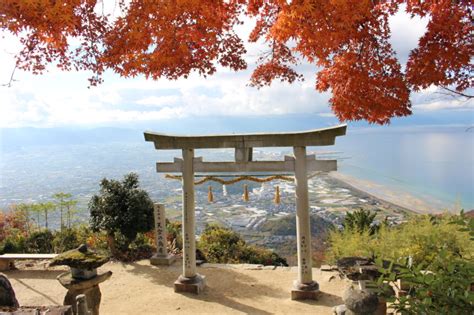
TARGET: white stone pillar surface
(188,230)
(161,257)
(160,230)
(303,232)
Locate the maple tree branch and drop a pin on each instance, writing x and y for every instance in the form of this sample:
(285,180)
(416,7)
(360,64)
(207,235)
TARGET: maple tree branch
(454,93)
(12,78)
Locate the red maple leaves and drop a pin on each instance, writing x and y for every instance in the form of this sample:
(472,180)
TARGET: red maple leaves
(348,40)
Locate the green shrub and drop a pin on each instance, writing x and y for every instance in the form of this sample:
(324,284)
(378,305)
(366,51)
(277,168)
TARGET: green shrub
(349,243)
(173,234)
(360,221)
(438,285)
(13,244)
(444,289)
(121,209)
(83,232)
(257,255)
(222,245)
(40,242)
(65,240)
(421,237)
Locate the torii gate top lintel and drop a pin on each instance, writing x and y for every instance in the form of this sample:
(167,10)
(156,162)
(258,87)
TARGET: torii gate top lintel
(317,137)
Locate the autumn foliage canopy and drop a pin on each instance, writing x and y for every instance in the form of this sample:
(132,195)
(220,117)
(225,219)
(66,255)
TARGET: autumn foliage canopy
(346,40)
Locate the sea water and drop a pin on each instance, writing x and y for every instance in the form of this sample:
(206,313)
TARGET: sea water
(435,164)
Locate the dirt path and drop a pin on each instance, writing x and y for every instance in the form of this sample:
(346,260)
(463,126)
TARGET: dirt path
(139,288)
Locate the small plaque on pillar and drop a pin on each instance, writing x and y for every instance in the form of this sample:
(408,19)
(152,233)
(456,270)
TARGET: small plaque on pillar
(190,285)
(161,257)
(303,291)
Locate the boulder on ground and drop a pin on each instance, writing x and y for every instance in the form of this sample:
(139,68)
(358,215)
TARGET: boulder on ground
(7,295)
(339,310)
(360,302)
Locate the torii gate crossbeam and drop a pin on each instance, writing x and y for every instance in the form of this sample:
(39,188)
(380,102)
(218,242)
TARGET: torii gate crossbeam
(300,165)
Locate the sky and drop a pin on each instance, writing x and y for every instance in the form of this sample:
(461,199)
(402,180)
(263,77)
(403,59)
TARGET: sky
(58,99)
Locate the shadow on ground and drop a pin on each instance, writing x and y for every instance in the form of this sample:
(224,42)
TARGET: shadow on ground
(19,276)
(226,287)
(33,274)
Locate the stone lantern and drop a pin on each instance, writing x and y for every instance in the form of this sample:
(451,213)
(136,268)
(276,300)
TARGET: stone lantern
(83,277)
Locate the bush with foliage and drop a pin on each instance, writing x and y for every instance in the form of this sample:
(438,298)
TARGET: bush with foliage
(13,244)
(422,238)
(173,235)
(437,285)
(442,287)
(65,240)
(360,221)
(222,245)
(40,242)
(13,222)
(122,210)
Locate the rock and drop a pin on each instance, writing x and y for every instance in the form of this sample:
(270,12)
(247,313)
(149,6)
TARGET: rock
(92,301)
(339,310)
(352,262)
(89,288)
(200,255)
(81,304)
(71,283)
(82,248)
(328,268)
(360,302)
(7,295)
(80,258)
(269,267)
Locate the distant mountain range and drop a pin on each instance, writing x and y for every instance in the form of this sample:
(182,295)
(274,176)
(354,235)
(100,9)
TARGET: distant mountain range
(13,138)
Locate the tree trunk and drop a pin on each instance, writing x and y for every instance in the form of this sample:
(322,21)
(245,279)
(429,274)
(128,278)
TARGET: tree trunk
(28,222)
(111,243)
(62,222)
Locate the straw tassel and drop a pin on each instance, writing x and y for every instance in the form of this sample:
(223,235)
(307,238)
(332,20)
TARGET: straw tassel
(277,195)
(246,193)
(210,196)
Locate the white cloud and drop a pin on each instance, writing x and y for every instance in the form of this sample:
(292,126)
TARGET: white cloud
(435,99)
(454,104)
(62,98)
(159,101)
(405,32)
(327,115)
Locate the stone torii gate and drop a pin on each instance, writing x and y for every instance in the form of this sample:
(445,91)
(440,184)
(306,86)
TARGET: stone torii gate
(300,165)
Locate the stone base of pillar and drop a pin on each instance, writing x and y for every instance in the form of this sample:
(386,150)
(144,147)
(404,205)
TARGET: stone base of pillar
(304,291)
(190,285)
(88,287)
(92,297)
(160,260)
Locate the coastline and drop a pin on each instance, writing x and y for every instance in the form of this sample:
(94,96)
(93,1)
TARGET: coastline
(377,191)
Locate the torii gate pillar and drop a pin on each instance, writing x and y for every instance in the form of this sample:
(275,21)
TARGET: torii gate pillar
(304,286)
(189,281)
